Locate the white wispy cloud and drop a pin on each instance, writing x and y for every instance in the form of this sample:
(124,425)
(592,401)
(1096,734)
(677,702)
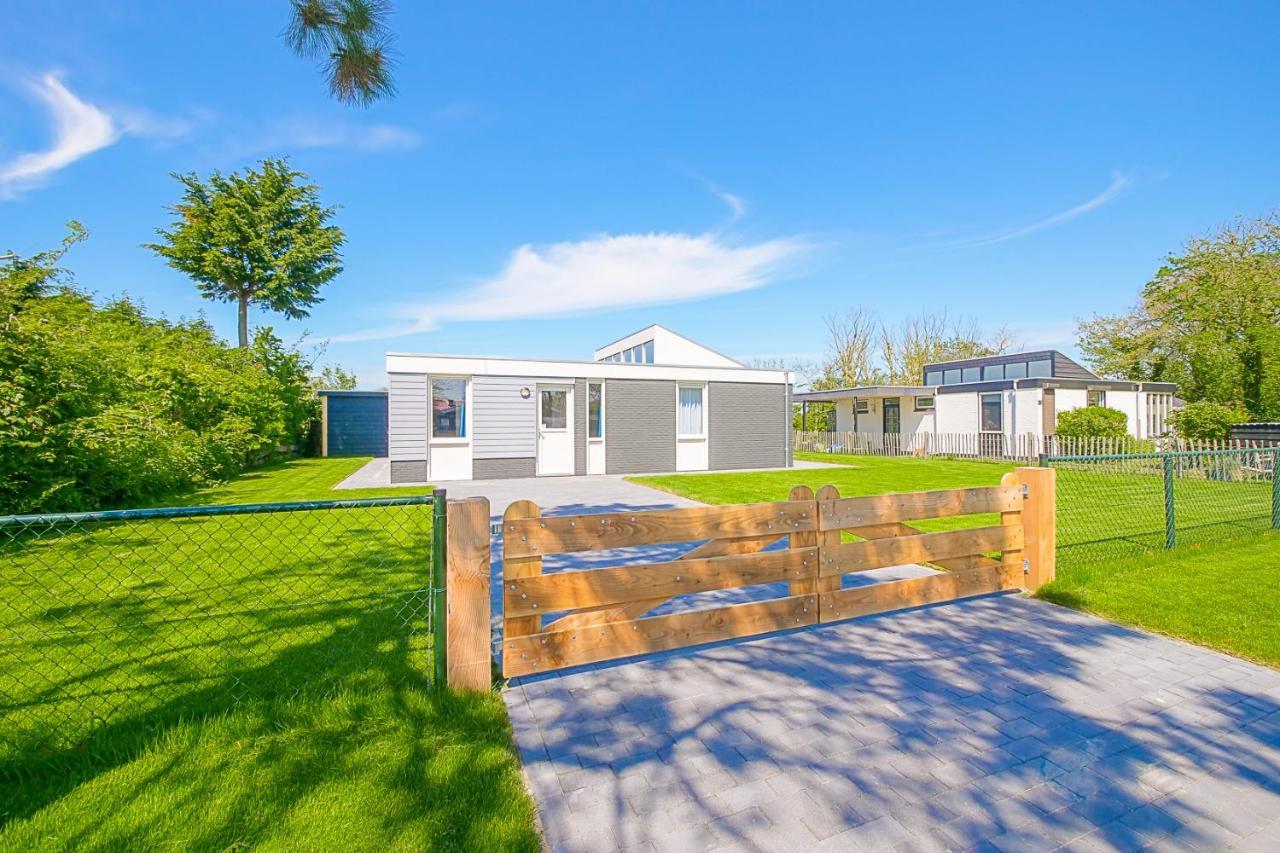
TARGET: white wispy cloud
(295,133)
(607,272)
(1120,183)
(79,129)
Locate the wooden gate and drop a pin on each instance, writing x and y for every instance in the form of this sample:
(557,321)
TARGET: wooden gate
(599,614)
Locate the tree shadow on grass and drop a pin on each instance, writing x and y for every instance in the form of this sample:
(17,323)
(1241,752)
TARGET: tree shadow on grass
(270,684)
(1001,720)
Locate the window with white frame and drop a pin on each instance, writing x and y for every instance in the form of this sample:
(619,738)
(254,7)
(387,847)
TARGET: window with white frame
(595,410)
(862,407)
(1097,397)
(691,411)
(449,407)
(924,403)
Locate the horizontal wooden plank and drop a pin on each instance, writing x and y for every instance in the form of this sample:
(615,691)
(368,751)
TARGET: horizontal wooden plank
(555,649)
(564,534)
(591,616)
(912,506)
(915,592)
(550,593)
(922,548)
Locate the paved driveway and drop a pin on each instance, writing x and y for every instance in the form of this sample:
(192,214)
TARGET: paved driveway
(1001,723)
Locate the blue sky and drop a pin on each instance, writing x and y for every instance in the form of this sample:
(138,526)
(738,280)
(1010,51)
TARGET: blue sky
(552,175)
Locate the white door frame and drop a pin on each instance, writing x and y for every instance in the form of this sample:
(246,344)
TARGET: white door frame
(561,439)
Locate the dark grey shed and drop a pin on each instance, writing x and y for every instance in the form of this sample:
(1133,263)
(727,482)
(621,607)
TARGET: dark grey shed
(353,423)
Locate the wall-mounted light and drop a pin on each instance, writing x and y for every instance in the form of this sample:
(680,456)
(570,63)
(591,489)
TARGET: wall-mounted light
(525,393)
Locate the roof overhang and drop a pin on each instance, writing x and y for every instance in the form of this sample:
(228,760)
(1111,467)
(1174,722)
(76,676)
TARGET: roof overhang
(862,392)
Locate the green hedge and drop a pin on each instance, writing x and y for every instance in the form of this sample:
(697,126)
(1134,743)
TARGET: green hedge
(104,406)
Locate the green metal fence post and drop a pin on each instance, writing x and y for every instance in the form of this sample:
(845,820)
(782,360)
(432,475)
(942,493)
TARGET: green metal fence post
(1170,521)
(439,562)
(1275,490)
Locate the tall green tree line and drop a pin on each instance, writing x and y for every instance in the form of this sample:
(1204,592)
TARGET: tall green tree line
(1209,320)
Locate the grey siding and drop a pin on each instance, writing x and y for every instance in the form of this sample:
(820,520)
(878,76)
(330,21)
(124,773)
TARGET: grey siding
(407,416)
(746,425)
(503,423)
(1068,369)
(639,426)
(787,420)
(580,426)
(409,472)
(498,469)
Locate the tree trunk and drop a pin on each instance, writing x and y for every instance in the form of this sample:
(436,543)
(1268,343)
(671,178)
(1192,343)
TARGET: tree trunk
(244,321)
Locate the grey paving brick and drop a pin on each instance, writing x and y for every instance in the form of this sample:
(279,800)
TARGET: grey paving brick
(992,724)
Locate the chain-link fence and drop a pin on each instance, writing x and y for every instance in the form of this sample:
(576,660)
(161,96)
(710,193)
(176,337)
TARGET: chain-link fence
(127,620)
(1117,505)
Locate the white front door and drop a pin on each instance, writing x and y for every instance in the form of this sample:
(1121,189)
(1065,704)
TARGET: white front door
(555,429)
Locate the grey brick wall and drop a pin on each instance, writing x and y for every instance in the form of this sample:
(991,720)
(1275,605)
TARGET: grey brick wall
(580,426)
(498,469)
(639,426)
(747,423)
(408,472)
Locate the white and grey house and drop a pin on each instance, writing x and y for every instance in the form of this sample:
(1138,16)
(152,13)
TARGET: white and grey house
(653,401)
(999,397)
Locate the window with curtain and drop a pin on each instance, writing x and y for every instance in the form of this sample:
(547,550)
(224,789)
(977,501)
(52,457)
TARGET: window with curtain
(449,408)
(992,416)
(595,410)
(689,417)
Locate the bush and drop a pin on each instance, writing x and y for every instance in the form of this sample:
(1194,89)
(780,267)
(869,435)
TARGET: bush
(1093,422)
(1207,421)
(105,406)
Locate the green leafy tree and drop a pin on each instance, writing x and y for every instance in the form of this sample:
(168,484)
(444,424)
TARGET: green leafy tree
(1207,420)
(1209,320)
(262,237)
(352,40)
(1093,422)
(334,378)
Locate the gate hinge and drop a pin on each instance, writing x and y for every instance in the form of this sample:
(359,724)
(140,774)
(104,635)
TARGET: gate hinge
(1026,567)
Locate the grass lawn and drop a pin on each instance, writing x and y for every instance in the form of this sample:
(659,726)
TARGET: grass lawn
(1224,594)
(1221,590)
(242,681)
(858,475)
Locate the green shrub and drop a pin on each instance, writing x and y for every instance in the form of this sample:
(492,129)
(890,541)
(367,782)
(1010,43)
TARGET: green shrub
(105,406)
(1206,420)
(1093,422)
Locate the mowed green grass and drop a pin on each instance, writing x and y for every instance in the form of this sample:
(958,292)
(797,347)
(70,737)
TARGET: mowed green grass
(857,475)
(1224,594)
(1221,588)
(243,681)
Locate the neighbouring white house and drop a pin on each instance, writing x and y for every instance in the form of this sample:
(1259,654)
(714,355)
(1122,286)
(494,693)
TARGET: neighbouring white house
(652,401)
(999,397)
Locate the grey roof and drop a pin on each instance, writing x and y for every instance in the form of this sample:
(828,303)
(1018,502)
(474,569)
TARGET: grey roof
(862,391)
(1060,364)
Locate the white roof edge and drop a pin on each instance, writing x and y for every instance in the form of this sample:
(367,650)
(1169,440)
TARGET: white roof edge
(403,362)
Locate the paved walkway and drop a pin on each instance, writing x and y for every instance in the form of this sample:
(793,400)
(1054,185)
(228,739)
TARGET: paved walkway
(999,723)
(608,492)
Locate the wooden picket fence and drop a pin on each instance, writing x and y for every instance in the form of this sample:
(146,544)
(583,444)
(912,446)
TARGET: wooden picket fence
(1027,447)
(599,614)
